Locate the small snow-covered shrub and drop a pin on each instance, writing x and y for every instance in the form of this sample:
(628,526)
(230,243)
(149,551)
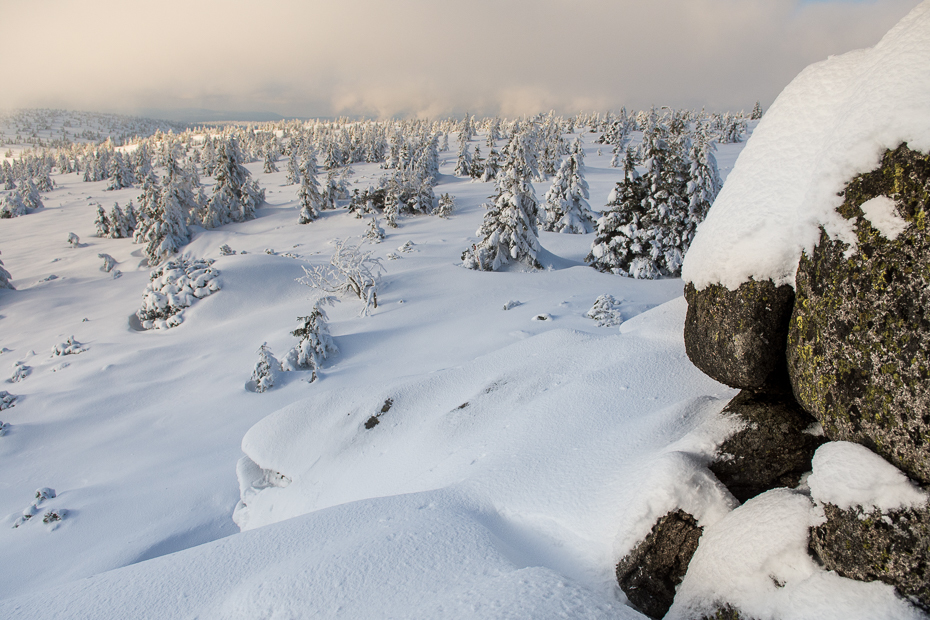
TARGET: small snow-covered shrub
(68,347)
(73,240)
(316,343)
(263,374)
(606,311)
(51,516)
(13,206)
(3,428)
(20,370)
(5,277)
(108,262)
(225,250)
(45,493)
(375,233)
(7,400)
(173,287)
(512,304)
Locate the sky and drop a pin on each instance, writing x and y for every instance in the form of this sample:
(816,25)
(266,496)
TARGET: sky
(428,58)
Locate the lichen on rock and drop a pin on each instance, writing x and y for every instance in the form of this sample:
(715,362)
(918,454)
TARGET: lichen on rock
(860,330)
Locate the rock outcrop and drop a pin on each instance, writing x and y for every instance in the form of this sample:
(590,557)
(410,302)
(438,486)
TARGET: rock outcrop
(892,547)
(649,574)
(738,337)
(773,449)
(860,332)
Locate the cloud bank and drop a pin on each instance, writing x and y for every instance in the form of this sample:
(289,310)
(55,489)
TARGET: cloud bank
(421,57)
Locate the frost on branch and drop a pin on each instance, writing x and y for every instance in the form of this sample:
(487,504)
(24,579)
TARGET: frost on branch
(350,270)
(174,286)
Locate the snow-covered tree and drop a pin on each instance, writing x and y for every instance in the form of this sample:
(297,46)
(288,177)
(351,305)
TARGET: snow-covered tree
(13,206)
(463,166)
(122,224)
(102,223)
(316,344)
(235,195)
(5,277)
(263,375)
(271,158)
(293,169)
(509,230)
(704,181)
(756,112)
(120,173)
(491,166)
(163,230)
(374,232)
(446,205)
(566,208)
(350,270)
(29,194)
(309,197)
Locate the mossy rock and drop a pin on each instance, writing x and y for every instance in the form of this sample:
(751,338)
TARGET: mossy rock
(738,337)
(773,448)
(892,547)
(860,332)
(726,612)
(651,572)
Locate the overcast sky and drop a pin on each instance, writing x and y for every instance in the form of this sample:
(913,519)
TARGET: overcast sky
(426,57)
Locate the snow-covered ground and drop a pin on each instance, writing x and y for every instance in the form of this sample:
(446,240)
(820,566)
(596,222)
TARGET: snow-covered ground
(515,461)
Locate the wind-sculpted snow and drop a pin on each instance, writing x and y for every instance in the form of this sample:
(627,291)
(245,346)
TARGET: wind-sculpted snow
(832,122)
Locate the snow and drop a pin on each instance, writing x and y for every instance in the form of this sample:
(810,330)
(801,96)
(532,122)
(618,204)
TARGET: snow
(848,475)
(880,212)
(512,463)
(832,122)
(756,559)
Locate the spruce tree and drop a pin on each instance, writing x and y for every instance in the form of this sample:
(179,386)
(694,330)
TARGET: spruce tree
(309,193)
(509,230)
(566,207)
(235,196)
(316,344)
(102,223)
(463,166)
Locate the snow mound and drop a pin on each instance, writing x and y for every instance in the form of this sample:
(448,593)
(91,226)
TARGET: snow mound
(832,122)
(756,559)
(849,475)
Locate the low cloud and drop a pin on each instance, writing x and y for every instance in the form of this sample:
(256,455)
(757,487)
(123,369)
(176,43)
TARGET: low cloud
(420,57)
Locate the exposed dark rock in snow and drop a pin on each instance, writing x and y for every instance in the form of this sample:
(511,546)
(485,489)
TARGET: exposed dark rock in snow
(892,547)
(649,574)
(860,332)
(738,337)
(773,449)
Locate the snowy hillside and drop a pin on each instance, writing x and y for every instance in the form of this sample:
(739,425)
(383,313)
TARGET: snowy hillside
(23,129)
(455,459)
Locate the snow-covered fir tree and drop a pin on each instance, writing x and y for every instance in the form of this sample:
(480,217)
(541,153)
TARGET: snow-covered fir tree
(508,232)
(122,223)
(13,206)
(446,205)
(163,230)
(704,181)
(463,165)
(29,194)
(316,344)
(235,195)
(606,311)
(271,158)
(293,169)
(566,209)
(308,195)
(5,277)
(263,375)
(477,164)
(756,113)
(491,166)
(102,223)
